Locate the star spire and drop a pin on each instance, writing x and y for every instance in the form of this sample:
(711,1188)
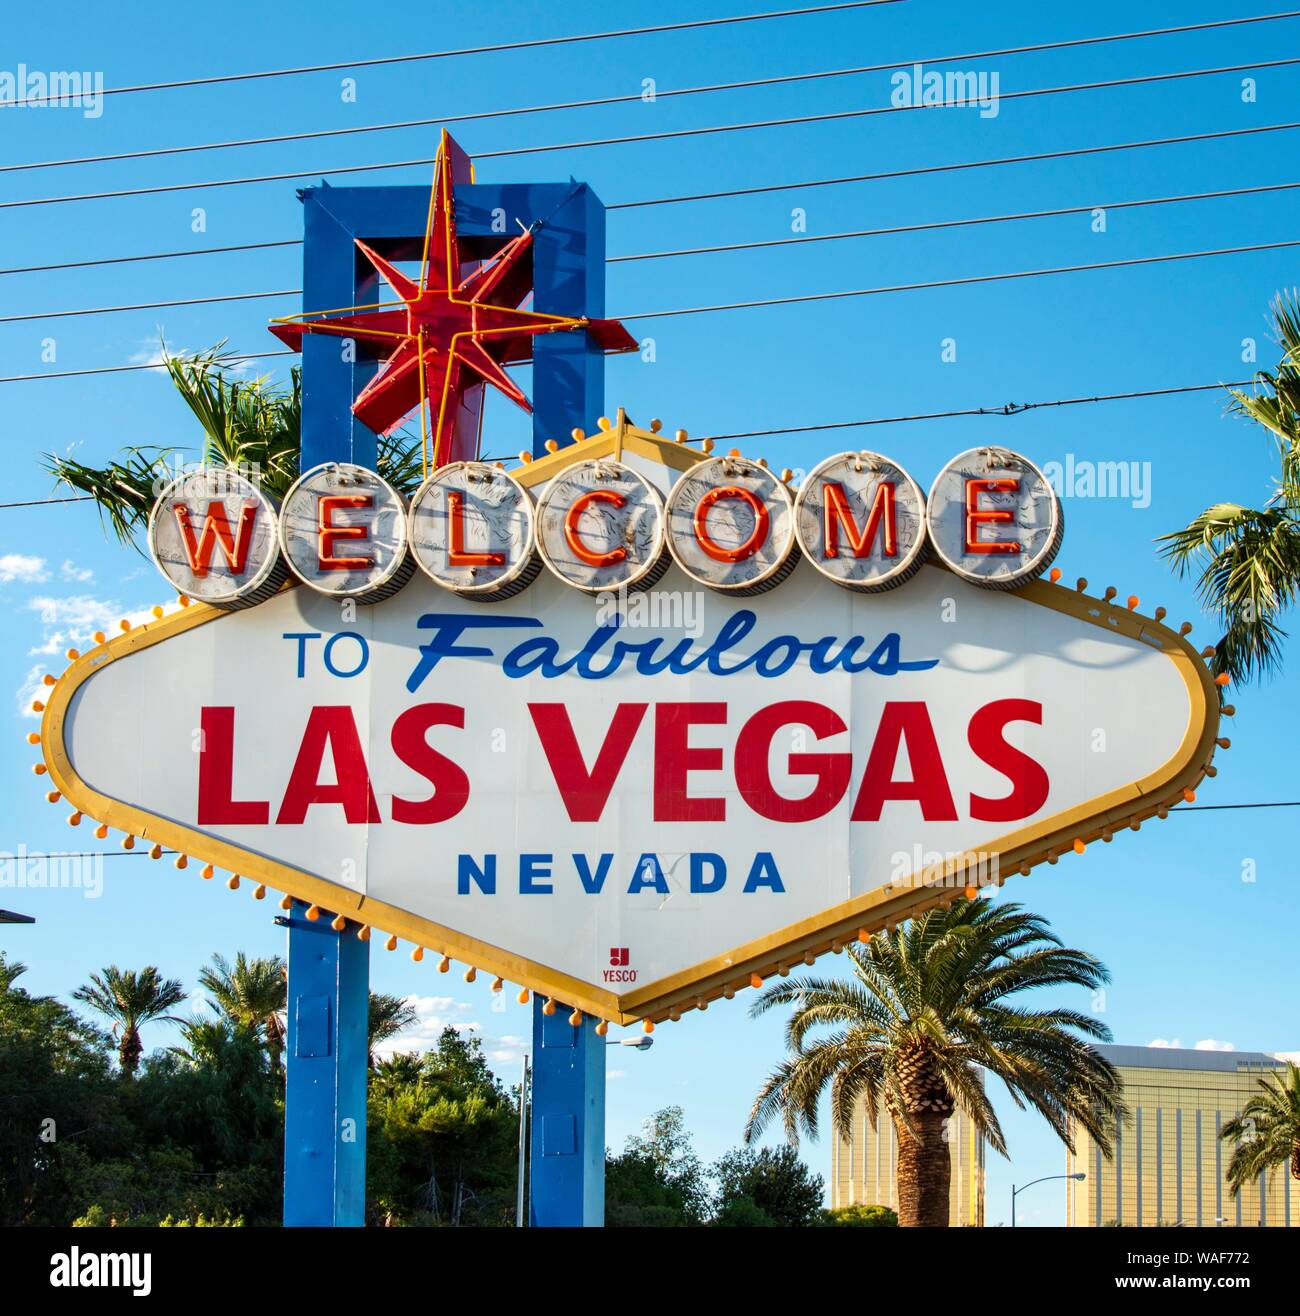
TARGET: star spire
(450,332)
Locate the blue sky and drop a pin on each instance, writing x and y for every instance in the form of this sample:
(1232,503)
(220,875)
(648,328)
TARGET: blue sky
(1198,954)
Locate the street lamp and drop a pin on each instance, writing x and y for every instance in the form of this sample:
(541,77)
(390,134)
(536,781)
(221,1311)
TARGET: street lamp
(642,1043)
(1014,1190)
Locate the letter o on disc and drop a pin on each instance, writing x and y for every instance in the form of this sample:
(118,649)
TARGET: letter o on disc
(471,530)
(994,519)
(212,534)
(343,532)
(860,519)
(731,526)
(600,526)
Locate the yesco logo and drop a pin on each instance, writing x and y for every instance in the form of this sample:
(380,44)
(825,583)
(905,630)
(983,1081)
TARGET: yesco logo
(76,1269)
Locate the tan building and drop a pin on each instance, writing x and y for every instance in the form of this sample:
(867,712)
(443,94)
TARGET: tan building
(864,1168)
(1170,1166)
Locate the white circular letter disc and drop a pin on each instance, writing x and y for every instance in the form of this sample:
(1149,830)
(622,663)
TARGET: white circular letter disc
(600,526)
(212,534)
(860,519)
(472,531)
(731,526)
(994,519)
(343,532)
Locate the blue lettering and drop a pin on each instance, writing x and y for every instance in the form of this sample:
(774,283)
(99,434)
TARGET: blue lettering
(763,873)
(702,885)
(533,868)
(648,874)
(592,883)
(484,878)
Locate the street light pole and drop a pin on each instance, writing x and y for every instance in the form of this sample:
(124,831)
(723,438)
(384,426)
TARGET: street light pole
(521,1221)
(1014,1190)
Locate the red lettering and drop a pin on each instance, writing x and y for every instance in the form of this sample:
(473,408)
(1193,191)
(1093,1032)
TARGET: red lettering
(330,726)
(573,535)
(909,722)
(448,779)
(216,775)
(216,531)
(757,536)
(882,520)
(327,532)
(977,516)
(457,555)
(1028,778)
(675,759)
(585,792)
(753,750)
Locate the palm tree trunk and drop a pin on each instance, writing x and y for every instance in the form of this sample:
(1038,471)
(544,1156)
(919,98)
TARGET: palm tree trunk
(924,1173)
(128,1051)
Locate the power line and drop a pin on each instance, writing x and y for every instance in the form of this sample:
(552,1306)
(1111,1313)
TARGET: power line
(534,44)
(920,170)
(1007,409)
(953,223)
(954,283)
(150,306)
(634,97)
(122,370)
(894,229)
(917,171)
(965,281)
(635,138)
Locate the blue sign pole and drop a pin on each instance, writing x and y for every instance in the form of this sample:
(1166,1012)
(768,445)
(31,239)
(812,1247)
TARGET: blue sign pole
(567,1169)
(326,1070)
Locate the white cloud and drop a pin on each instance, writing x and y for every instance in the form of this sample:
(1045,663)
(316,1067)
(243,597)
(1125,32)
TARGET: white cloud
(73,621)
(1209,1044)
(507,1051)
(22,567)
(614,1074)
(432,1015)
(29,690)
(1160,1041)
(70,571)
(1292,1056)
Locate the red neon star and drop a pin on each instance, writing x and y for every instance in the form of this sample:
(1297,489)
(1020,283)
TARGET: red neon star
(452,331)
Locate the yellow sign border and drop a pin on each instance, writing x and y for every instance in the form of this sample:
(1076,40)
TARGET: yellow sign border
(721,975)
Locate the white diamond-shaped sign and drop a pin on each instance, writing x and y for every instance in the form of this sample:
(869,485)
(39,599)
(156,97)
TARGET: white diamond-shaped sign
(635,803)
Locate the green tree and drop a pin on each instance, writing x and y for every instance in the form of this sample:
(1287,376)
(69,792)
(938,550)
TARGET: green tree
(56,1095)
(252,994)
(1247,559)
(1267,1132)
(657,1179)
(251,424)
(861,1217)
(928,1007)
(389,1015)
(441,1138)
(775,1180)
(129,1000)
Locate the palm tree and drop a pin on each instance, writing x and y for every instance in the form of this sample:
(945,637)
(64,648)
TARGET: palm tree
(927,1010)
(251,424)
(1267,1132)
(251,994)
(1248,558)
(129,999)
(389,1015)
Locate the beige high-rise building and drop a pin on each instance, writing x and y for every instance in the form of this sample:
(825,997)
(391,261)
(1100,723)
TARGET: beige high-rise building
(864,1168)
(1170,1165)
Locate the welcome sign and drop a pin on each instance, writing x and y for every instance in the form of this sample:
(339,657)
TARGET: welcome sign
(636,802)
